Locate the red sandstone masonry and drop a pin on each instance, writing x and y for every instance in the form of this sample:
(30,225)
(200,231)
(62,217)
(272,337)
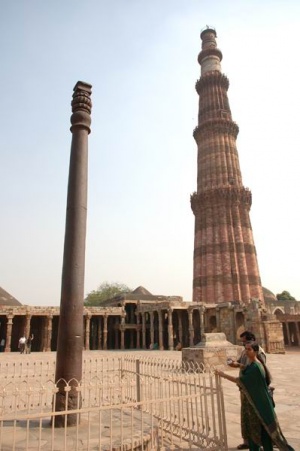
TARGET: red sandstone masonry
(225,262)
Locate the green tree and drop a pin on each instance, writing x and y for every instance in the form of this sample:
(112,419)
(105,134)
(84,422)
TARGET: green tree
(284,296)
(106,291)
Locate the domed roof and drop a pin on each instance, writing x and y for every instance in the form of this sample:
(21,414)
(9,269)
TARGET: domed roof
(141,290)
(268,295)
(8,299)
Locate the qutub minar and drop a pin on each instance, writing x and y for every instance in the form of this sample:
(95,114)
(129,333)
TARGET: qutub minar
(225,262)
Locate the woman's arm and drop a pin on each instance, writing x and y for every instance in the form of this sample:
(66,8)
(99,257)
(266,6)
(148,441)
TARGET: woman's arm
(226,376)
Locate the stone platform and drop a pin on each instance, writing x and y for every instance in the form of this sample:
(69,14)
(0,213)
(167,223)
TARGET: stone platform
(213,350)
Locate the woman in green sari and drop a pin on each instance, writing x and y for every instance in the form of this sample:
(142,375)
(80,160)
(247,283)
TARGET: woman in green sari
(259,421)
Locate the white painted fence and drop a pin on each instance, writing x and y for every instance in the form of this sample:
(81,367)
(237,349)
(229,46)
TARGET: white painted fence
(125,403)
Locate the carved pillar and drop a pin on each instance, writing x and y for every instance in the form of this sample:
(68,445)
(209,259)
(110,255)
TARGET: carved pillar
(191,328)
(180,326)
(288,333)
(49,333)
(138,329)
(170,331)
(151,328)
(9,325)
(105,332)
(122,329)
(27,325)
(87,332)
(160,330)
(99,333)
(144,330)
(202,328)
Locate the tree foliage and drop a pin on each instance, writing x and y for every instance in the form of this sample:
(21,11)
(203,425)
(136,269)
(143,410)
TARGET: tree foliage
(284,296)
(106,290)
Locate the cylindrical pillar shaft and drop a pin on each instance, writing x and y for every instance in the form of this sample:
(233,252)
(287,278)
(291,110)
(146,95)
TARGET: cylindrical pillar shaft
(70,331)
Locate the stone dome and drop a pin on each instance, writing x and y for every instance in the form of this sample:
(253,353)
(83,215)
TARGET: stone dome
(268,295)
(8,299)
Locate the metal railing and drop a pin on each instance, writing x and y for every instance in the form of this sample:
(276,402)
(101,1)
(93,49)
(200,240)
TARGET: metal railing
(126,403)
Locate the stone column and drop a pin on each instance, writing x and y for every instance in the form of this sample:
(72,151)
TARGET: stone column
(105,332)
(180,326)
(122,329)
(202,328)
(9,325)
(160,331)
(144,330)
(138,328)
(170,331)
(191,328)
(288,333)
(99,333)
(151,328)
(27,326)
(49,333)
(87,332)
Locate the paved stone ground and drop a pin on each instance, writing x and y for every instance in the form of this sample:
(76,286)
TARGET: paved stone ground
(285,371)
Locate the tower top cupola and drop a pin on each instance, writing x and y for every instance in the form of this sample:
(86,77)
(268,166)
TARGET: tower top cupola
(210,56)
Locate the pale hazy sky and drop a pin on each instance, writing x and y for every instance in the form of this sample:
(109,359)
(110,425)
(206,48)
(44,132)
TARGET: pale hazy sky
(141,58)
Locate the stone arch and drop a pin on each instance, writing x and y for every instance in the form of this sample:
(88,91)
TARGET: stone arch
(277,311)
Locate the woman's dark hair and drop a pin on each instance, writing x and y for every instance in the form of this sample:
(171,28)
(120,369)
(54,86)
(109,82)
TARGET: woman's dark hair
(248,335)
(255,348)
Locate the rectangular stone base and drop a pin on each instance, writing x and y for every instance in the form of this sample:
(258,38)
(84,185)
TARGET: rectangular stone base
(213,350)
(211,356)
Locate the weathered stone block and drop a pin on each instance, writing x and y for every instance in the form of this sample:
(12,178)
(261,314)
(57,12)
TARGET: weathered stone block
(213,350)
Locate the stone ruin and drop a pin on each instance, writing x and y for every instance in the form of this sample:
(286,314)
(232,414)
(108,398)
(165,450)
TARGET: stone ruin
(213,350)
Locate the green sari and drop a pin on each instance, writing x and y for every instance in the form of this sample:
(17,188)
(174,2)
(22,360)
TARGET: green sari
(257,409)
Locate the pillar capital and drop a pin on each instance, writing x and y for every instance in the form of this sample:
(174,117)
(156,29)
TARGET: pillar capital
(81,107)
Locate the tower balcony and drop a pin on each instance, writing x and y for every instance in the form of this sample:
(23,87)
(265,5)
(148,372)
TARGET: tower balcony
(225,195)
(214,126)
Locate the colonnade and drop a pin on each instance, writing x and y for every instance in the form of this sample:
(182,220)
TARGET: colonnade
(132,326)
(291,332)
(136,325)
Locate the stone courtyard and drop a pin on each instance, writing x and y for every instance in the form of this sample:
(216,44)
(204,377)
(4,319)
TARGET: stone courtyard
(284,369)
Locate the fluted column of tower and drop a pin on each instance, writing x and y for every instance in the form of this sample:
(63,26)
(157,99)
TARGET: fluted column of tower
(225,261)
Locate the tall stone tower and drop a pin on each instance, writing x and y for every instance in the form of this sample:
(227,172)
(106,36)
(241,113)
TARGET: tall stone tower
(225,262)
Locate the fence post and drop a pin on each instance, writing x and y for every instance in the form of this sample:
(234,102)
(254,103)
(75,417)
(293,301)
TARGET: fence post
(138,381)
